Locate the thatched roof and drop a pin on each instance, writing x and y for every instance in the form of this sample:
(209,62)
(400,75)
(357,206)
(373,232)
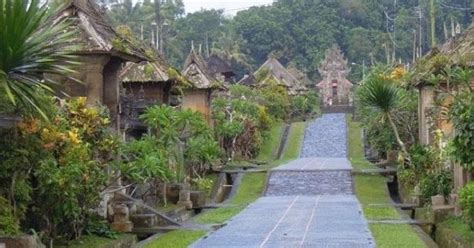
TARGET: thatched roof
(144,72)
(457,50)
(96,34)
(460,49)
(195,69)
(273,69)
(302,78)
(217,65)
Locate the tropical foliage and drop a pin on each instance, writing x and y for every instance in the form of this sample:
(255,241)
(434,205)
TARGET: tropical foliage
(184,138)
(25,55)
(466,198)
(368,31)
(380,95)
(52,173)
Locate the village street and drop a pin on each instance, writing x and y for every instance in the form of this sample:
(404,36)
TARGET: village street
(308,202)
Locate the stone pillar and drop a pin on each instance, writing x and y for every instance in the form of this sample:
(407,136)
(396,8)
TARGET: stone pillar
(111,93)
(459,177)
(185,198)
(94,78)
(425,103)
(122,221)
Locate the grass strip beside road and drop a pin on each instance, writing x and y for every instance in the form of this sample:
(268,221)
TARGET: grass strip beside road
(271,143)
(372,189)
(176,239)
(294,141)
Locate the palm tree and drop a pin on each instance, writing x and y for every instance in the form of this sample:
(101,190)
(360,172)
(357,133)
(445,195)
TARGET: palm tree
(28,49)
(383,96)
(228,48)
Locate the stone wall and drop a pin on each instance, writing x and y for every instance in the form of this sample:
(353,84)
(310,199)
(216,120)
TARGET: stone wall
(100,84)
(425,103)
(153,91)
(198,100)
(24,241)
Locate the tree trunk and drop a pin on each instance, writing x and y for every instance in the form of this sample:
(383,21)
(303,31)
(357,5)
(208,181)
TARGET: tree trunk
(433,22)
(397,136)
(158,22)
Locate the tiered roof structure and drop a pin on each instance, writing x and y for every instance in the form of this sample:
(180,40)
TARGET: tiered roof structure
(334,87)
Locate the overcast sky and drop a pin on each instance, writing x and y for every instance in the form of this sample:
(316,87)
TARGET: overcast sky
(231,6)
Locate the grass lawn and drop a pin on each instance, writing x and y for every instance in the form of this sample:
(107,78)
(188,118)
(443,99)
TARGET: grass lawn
(373,190)
(461,228)
(294,142)
(271,144)
(92,241)
(176,239)
(250,189)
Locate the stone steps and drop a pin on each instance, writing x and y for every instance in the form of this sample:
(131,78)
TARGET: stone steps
(337,109)
(323,182)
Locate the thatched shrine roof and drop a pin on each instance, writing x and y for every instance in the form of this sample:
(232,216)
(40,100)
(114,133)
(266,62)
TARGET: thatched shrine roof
(196,70)
(216,65)
(96,34)
(458,50)
(272,69)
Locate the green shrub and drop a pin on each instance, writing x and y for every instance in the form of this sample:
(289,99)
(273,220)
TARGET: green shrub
(434,184)
(462,116)
(8,223)
(240,120)
(304,106)
(180,141)
(203,184)
(98,226)
(57,168)
(276,100)
(466,200)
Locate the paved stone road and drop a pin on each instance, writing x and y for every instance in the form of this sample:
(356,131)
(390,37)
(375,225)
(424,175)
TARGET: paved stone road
(326,137)
(311,176)
(308,202)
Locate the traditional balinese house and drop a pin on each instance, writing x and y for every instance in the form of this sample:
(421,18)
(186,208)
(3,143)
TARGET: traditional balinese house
(272,69)
(143,85)
(334,88)
(220,69)
(304,82)
(102,52)
(198,97)
(458,50)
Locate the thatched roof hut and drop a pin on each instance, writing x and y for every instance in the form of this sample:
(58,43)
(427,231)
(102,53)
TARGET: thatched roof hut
(219,68)
(302,78)
(196,70)
(96,34)
(457,50)
(272,69)
(102,52)
(198,97)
